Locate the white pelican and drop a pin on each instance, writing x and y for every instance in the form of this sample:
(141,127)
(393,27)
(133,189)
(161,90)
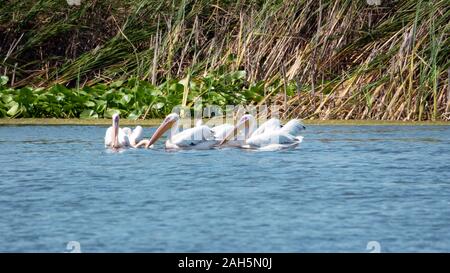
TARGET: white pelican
(116,137)
(198,137)
(233,134)
(270,134)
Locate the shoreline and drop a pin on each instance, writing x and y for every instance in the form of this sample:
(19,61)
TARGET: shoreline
(155,122)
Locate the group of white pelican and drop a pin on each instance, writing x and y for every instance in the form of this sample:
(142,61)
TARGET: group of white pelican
(245,134)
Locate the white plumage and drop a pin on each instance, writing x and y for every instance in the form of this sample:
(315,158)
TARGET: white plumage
(270,133)
(116,137)
(199,137)
(223,130)
(274,133)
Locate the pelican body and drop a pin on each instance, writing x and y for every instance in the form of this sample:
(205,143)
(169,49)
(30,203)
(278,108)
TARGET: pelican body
(270,134)
(116,137)
(198,137)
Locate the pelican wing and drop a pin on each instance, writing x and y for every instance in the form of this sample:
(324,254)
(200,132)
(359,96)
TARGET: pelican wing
(109,137)
(192,136)
(268,126)
(126,130)
(271,137)
(221,131)
(123,138)
(136,135)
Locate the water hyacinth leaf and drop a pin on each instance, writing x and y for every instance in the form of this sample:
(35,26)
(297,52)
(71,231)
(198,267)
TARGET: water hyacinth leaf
(86,114)
(253,96)
(101,87)
(60,97)
(158,105)
(126,99)
(101,106)
(7,98)
(116,84)
(14,109)
(239,75)
(177,88)
(3,80)
(62,89)
(133,116)
(83,93)
(133,82)
(155,92)
(110,112)
(90,104)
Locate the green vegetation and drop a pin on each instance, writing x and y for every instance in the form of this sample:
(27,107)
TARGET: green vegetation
(72,121)
(156,122)
(133,99)
(324,59)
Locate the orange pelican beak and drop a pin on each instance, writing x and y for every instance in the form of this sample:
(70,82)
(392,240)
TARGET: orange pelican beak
(244,123)
(164,127)
(115,125)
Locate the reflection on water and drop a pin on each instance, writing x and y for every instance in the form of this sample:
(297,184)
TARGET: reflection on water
(343,187)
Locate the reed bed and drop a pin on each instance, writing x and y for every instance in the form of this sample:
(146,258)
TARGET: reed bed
(317,59)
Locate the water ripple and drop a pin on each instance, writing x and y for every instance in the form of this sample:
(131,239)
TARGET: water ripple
(340,188)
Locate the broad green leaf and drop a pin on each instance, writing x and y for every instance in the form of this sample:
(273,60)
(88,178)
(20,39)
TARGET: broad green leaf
(177,88)
(100,86)
(82,92)
(100,102)
(101,106)
(14,109)
(155,92)
(7,98)
(3,80)
(126,99)
(158,105)
(238,75)
(110,112)
(116,84)
(89,104)
(133,116)
(87,114)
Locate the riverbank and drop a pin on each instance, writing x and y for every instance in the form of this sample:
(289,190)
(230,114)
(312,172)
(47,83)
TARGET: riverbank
(155,122)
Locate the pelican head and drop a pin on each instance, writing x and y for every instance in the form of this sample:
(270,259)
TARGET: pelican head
(168,123)
(115,125)
(294,127)
(246,122)
(115,120)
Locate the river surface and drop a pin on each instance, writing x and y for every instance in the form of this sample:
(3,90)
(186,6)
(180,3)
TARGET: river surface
(343,187)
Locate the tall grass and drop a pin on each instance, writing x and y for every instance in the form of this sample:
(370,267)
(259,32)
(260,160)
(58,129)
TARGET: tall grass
(346,59)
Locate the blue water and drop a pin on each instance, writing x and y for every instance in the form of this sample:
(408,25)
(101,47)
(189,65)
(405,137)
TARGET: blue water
(343,187)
